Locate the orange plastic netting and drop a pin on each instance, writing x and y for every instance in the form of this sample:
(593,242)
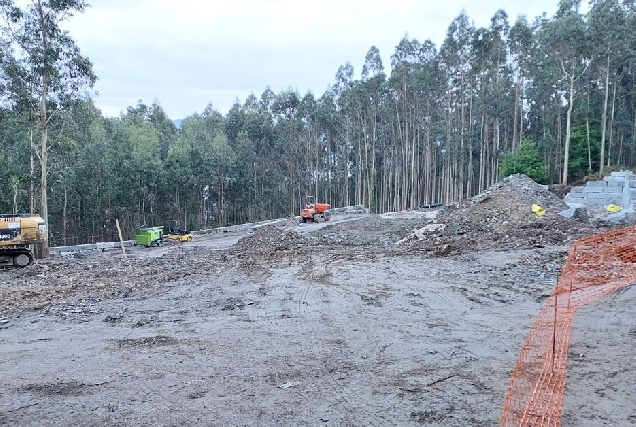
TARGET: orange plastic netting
(595,266)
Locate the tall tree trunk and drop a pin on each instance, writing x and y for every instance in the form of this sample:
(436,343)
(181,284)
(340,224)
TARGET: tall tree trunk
(460,156)
(587,131)
(471,173)
(32,173)
(14,188)
(64,219)
(345,163)
(568,130)
(611,126)
(482,152)
(43,160)
(514,120)
(44,127)
(604,116)
(495,154)
(521,116)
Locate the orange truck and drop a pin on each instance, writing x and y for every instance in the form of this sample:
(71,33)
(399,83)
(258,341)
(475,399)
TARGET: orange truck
(316,212)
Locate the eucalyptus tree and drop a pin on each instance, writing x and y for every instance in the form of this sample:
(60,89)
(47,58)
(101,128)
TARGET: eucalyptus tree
(372,79)
(607,25)
(520,47)
(166,129)
(45,66)
(142,166)
(343,97)
(207,157)
(416,86)
(14,154)
(313,161)
(80,176)
(564,42)
(289,147)
(630,80)
(329,124)
(455,58)
(499,97)
(333,127)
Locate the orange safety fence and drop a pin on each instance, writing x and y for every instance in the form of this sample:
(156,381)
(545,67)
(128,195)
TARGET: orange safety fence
(595,266)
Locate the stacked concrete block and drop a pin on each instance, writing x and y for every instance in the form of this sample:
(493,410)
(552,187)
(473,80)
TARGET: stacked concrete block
(619,188)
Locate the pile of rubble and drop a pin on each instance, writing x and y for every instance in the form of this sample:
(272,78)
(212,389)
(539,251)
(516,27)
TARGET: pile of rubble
(507,203)
(270,238)
(502,217)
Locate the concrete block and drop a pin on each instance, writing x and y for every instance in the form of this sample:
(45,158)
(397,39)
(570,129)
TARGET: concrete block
(598,196)
(616,183)
(614,190)
(632,194)
(600,199)
(626,216)
(596,204)
(616,200)
(575,190)
(596,184)
(572,200)
(631,183)
(594,189)
(577,212)
(620,174)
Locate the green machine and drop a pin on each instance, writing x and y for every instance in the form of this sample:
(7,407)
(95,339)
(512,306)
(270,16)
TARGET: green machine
(149,236)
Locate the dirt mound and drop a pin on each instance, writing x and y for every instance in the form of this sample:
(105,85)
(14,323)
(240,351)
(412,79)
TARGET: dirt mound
(501,218)
(508,202)
(270,238)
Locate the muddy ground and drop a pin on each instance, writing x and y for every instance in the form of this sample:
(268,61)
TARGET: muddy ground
(310,324)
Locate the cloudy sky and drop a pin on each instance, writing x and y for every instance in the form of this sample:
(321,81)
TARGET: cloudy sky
(188,53)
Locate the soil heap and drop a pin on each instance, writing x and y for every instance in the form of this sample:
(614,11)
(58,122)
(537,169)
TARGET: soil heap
(269,239)
(501,217)
(507,205)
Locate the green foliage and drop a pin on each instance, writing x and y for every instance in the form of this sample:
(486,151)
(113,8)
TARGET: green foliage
(527,160)
(581,153)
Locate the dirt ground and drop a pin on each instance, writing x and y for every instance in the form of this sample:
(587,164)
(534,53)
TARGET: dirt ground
(356,321)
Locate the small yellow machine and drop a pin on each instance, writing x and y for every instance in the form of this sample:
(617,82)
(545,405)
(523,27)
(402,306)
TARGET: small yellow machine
(176,234)
(185,236)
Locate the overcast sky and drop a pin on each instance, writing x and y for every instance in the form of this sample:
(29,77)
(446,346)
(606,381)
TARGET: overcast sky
(188,53)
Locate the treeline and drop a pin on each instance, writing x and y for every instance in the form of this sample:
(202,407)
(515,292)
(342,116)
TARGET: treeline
(437,127)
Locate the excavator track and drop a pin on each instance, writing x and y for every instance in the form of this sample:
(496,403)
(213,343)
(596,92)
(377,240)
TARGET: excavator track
(15,258)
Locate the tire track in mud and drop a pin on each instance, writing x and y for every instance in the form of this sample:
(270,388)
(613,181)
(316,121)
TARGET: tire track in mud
(318,276)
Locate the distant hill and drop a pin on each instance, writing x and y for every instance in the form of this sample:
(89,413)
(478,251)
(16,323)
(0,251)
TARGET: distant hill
(177,123)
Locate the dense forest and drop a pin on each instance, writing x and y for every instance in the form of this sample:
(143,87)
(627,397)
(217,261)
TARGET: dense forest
(554,97)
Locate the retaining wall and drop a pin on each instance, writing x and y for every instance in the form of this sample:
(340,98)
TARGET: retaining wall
(619,188)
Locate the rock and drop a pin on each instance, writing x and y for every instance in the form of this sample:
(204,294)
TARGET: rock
(625,216)
(431,228)
(292,221)
(575,211)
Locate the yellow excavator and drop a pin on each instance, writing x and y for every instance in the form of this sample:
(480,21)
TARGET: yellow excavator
(18,234)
